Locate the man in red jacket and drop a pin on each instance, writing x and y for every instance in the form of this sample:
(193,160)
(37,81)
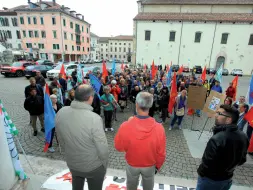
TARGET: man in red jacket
(144,142)
(230,92)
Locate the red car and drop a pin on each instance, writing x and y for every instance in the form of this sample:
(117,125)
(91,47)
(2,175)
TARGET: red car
(16,69)
(186,69)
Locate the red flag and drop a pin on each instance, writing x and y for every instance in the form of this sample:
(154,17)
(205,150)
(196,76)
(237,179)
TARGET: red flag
(173,93)
(203,76)
(153,70)
(104,70)
(235,83)
(181,69)
(62,71)
(249,116)
(145,67)
(122,66)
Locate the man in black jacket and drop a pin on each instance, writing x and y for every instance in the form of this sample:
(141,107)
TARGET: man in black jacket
(226,150)
(33,84)
(34,104)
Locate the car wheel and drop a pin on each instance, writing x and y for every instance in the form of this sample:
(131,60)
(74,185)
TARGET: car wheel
(19,73)
(27,77)
(6,75)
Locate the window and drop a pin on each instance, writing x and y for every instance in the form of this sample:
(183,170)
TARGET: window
(64,22)
(65,36)
(147,35)
(129,44)
(197,37)
(41,46)
(53,21)
(29,20)
(124,56)
(71,24)
(101,44)
(87,30)
(41,20)
(36,34)
(66,47)
(102,55)
(82,39)
(88,40)
(119,43)
(106,50)
(110,56)
(129,49)
(19,46)
(8,34)
(72,37)
(83,49)
(124,49)
(30,32)
(73,48)
(18,34)
(120,49)
(111,49)
(24,34)
(22,20)
(34,20)
(43,34)
(55,33)
(115,56)
(88,49)
(56,46)
(172,36)
(111,43)
(29,45)
(124,43)
(119,56)
(82,29)
(224,38)
(14,21)
(115,44)
(251,39)
(78,48)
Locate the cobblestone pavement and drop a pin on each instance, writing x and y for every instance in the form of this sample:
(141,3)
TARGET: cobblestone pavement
(179,162)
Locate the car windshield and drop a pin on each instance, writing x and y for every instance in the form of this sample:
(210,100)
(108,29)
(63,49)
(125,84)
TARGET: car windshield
(238,70)
(30,67)
(40,61)
(225,70)
(17,64)
(58,67)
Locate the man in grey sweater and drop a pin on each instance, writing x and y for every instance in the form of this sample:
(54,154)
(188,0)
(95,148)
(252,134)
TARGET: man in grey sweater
(86,148)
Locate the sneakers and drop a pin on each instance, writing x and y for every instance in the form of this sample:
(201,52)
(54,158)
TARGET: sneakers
(51,149)
(106,129)
(180,127)
(35,133)
(111,129)
(170,128)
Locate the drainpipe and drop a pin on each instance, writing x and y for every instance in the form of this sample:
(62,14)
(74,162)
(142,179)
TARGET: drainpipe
(212,45)
(180,43)
(62,36)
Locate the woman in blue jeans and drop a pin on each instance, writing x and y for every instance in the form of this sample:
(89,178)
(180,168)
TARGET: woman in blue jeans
(179,109)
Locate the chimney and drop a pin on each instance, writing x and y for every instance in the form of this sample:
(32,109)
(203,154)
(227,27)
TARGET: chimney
(29,2)
(82,17)
(54,3)
(5,8)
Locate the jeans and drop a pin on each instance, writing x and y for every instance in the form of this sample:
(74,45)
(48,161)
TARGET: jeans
(133,174)
(52,137)
(94,178)
(164,114)
(205,183)
(249,131)
(108,118)
(175,118)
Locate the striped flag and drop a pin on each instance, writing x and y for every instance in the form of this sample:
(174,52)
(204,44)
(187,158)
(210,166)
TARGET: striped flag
(218,75)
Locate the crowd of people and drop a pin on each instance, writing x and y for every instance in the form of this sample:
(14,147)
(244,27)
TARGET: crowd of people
(142,138)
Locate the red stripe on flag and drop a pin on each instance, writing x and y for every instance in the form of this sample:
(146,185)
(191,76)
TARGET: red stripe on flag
(47,89)
(46,147)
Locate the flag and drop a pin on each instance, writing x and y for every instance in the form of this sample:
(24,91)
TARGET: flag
(122,66)
(170,63)
(167,68)
(145,67)
(49,115)
(153,70)
(181,70)
(79,74)
(173,94)
(249,116)
(251,91)
(203,76)
(62,71)
(104,70)
(95,83)
(169,77)
(113,67)
(59,92)
(218,75)
(235,83)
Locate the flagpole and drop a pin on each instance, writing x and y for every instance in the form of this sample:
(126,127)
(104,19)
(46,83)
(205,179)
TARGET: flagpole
(247,95)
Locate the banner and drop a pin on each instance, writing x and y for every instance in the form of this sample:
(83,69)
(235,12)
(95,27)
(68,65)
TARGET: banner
(10,130)
(63,181)
(213,102)
(196,97)
(95,83)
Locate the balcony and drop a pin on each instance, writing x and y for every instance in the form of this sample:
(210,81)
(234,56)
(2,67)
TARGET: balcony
(78,42)
(78,31)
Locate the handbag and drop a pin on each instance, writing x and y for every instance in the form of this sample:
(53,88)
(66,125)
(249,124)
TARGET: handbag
(180,112)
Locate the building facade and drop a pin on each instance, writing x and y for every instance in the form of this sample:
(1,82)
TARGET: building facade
(204,33)
(94,47)
(10,37)
(54,32)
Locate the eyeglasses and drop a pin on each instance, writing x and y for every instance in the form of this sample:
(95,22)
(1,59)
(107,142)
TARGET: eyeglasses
(219,113)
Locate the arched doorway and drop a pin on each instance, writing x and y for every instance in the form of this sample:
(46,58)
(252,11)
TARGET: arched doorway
(220,60)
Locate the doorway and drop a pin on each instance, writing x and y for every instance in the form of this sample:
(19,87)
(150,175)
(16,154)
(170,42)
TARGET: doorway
(220,61)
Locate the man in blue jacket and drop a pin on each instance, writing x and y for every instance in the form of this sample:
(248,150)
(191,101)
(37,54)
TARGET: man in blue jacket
(217,87)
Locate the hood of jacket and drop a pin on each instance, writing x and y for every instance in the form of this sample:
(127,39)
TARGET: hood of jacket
(219,128)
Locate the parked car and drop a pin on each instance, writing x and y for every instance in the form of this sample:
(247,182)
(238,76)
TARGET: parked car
(210,71)
(51,74)
(30,71)
(16,69)
(186,69)
(44,62)
(175,68)
(197,69)
(238,72)
(225,72)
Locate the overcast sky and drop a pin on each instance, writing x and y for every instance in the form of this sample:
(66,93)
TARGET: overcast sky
(107,17)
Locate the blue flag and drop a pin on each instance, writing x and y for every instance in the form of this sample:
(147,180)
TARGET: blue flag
(251,91)
(49,115)
(113,67)
(169,77)
(218,75)
(95,83)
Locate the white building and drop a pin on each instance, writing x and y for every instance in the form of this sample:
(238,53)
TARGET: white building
(94,52)
(9,31)
(195,33)
(119,48)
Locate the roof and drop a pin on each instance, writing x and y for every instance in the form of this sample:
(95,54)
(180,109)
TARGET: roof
(197,2)
(103,40)
(93,35)
(122,37)
(220,17)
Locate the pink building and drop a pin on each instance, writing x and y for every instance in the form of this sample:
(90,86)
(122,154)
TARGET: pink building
(54,32)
